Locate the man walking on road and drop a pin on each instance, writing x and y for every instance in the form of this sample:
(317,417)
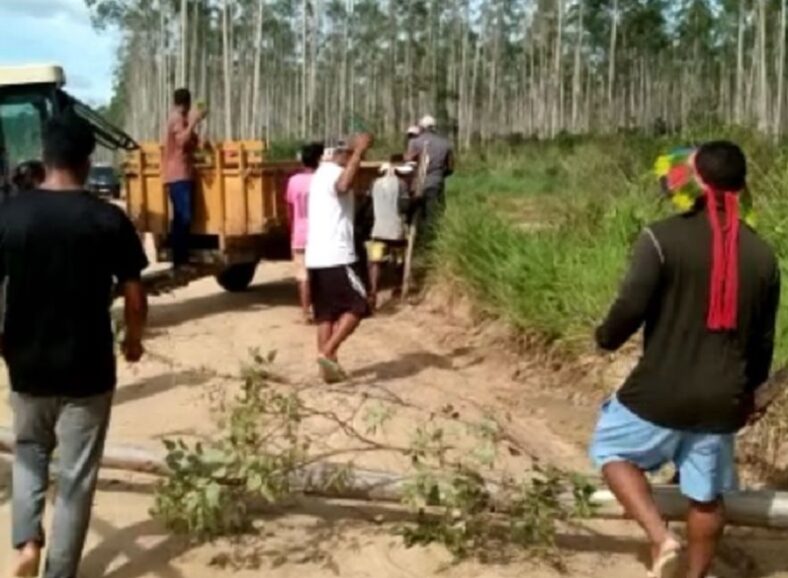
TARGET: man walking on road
(180,141)
(60,250)
(441,166)
(339,299)
(297,203)
(707,288)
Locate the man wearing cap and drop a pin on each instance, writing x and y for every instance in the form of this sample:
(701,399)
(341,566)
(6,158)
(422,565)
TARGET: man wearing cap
(339,298)
(441,165)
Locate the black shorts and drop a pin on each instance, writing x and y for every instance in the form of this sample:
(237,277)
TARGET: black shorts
(336,291)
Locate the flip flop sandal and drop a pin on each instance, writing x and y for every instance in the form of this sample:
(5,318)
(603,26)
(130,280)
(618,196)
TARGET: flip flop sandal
(667,564)
(332,372)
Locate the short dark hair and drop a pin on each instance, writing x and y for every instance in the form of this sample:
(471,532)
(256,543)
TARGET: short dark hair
(68,142)
(722,165)
(311,154)
(28,175)
(182,97)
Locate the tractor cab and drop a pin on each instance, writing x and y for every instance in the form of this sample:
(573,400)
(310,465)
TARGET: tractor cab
(29,95)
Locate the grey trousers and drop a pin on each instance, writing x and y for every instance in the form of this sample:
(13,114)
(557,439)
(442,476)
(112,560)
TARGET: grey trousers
(78,428)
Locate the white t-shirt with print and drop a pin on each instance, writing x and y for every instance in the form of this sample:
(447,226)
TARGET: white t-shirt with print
(330,229)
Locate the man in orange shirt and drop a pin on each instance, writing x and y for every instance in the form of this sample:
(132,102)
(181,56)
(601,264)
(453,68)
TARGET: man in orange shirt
(180,141)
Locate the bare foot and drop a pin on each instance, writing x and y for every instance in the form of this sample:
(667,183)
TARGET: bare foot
(27,562)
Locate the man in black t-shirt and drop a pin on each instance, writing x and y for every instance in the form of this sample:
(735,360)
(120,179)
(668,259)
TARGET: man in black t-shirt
(61,249)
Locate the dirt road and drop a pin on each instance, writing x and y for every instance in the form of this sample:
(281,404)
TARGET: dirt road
(417,357)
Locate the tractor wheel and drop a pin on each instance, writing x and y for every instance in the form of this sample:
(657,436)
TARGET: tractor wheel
(236,278)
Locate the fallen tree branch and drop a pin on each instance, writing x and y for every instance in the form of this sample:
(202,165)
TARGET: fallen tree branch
(762,508)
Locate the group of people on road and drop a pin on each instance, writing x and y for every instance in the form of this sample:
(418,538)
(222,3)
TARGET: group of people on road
(338,273)
(702,284)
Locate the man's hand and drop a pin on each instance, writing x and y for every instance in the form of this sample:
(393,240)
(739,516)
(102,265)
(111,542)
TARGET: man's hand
(362,142)
(197,115)
(132,350)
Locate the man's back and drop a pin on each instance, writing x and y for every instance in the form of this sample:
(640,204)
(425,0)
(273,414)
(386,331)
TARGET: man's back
(386,194)
(59,252)
(298,197)
(330,239)
(439,150)
(691,378)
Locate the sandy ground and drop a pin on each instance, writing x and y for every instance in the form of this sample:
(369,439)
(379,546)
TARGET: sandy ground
(416,358)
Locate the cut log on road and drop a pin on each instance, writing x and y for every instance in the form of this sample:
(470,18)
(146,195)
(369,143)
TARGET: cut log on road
(122,457)
(762,508)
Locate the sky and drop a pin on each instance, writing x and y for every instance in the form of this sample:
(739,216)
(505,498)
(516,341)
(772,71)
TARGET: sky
(60,32)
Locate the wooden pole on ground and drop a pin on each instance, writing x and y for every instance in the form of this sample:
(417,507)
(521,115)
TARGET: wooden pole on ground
(761,508)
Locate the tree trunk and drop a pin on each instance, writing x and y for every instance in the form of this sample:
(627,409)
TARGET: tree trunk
(611,75)
(577,75)
(739,112)
(256,72)
(558,105)
(778,116)
(763,78)
(227,71)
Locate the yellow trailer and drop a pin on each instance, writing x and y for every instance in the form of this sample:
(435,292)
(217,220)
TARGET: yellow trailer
(240,210)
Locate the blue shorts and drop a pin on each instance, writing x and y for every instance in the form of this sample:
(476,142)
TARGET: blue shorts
(705,462)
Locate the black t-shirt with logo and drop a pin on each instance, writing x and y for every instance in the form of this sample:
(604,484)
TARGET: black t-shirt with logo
(60,252)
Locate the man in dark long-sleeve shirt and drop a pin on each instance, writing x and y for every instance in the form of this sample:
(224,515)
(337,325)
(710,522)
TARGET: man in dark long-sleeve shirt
(706,292)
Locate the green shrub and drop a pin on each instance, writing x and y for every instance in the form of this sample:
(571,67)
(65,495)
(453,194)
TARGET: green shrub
(539,233)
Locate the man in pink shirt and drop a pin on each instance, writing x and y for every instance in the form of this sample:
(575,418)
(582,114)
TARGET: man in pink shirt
(180,141)
(297,201)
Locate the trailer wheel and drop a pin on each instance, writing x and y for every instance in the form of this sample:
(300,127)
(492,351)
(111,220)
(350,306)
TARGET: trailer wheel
(236,278)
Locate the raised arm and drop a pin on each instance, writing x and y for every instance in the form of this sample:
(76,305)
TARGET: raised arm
(640,284)
(361,144)
(184,134)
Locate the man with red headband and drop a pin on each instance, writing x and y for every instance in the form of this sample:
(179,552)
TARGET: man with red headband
(706,289)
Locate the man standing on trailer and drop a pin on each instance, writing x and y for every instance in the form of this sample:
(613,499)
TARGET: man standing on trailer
(180,141)
(339,298)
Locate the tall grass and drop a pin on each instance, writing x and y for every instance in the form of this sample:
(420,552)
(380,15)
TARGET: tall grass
(540,234)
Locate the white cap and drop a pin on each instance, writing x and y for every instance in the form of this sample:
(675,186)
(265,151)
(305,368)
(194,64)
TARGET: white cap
(427,122)
(414,130)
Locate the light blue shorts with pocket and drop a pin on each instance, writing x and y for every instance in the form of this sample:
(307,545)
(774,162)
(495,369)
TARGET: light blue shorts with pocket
(705,462)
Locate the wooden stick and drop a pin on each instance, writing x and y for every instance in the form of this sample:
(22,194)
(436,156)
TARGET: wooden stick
(413,229)
(762,508)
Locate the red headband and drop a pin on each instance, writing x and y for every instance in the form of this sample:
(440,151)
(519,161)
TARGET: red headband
(724,290)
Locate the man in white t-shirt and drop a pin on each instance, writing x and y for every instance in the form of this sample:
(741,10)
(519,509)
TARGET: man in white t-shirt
(339,299)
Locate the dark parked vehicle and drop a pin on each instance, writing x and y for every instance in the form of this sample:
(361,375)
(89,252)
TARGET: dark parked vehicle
(104,182)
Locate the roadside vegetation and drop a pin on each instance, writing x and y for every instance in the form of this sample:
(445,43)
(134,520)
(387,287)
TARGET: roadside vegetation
(538,233)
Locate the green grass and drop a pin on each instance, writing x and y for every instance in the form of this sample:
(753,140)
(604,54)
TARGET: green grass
(539,234)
